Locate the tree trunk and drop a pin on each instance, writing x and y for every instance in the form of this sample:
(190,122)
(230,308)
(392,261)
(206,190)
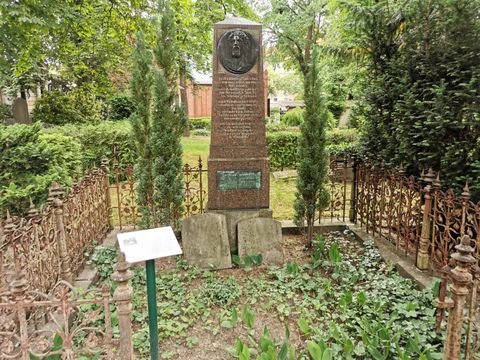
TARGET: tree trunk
(310,221)
(184,98)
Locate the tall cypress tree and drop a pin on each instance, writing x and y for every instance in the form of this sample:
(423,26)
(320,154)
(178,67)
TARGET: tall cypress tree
(141,87)
(313,157)
(167,127)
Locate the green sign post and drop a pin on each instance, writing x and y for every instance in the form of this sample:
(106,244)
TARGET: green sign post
(148,245)
(152,308)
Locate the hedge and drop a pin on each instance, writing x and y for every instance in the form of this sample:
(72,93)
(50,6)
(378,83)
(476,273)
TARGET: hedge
(200,123)
(108,138)
(31,161)
(282,146)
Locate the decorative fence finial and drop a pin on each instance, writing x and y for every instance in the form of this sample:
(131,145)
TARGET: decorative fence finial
(466,192)
(461,278)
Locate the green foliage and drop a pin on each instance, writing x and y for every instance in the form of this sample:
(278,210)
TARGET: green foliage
(121,106)
(110,139)
(59,108)
(288,83)
(82,43)
(31,161)
(200,123)
(141,88)
(342,136)
(5,113)
(247,261)
(55,107)
(293,117)
(282,149)
(220,292)
(313,158)
(420,99)
(104,260)
(283,146)
(168,123)
(354,307)
(294,30)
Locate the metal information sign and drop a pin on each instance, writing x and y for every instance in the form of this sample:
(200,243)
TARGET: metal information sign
(239,179)
(148,245)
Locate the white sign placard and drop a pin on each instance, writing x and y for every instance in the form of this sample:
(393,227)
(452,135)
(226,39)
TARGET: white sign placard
(148,244)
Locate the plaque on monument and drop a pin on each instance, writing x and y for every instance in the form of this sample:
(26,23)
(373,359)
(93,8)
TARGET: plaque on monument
(237,51)
(234,180)
(238,174)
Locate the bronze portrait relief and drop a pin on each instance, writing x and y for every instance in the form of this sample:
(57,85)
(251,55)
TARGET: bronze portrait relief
(238,51)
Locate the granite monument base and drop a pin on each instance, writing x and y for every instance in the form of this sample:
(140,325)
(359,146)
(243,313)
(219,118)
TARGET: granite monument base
(237,184)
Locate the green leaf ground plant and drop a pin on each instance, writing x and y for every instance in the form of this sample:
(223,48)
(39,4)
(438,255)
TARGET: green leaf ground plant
(341,301)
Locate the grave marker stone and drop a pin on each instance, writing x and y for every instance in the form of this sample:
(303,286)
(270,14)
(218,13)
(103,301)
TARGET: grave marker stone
(238,174)
(20,111)
(261,236)
(205,241)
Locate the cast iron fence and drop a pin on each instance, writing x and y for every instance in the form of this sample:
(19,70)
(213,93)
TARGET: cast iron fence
(416,215)
(66,323)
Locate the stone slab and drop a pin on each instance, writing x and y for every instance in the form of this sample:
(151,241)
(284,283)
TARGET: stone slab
(20,111)
(261,236)
(233,217)
(205,241)
(285,174)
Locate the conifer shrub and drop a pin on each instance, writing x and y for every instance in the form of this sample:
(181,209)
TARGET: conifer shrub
(31,161)
(59,108)
(120,106)
(293,117)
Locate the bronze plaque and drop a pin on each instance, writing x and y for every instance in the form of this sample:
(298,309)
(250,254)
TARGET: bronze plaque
(238,51)
(239,179)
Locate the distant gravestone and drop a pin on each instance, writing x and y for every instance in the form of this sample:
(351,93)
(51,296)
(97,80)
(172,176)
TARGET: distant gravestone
(261,236)
(20,111)
(205,241)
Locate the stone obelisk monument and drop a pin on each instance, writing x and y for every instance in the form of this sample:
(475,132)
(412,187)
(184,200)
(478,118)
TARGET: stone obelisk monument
(238,174)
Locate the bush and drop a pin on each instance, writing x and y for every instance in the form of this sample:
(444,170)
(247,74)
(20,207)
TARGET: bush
(58,108)
(282,149)
(340,136)
(421,87)
(121,106)
(200,123)
(5,113)
(110,139)
(293,117)
(282,146)
(31,161)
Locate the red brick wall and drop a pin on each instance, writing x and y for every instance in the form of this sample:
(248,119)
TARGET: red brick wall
(199,100)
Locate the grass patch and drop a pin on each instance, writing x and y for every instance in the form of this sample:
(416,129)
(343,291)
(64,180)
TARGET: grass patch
(193,147)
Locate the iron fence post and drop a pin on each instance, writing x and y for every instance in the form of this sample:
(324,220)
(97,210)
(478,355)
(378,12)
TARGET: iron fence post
(461,283)
(55,199)
(123,298)
(422,254)
(106,174)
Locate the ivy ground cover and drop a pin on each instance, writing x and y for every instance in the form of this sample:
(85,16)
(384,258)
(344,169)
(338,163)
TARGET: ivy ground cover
(338,300)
